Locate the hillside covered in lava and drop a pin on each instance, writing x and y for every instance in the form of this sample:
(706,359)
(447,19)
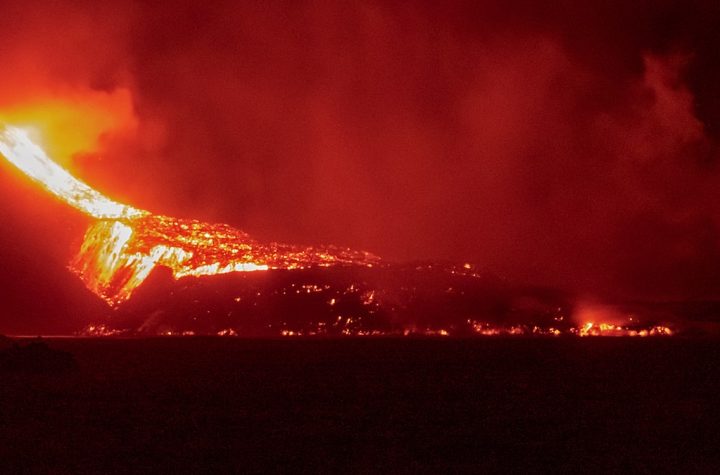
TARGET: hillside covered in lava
(420,299)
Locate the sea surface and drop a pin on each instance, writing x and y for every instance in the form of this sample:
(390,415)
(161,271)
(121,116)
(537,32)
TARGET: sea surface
(367,405)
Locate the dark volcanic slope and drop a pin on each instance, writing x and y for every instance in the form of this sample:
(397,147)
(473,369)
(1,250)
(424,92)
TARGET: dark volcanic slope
(427,298)
(339,300)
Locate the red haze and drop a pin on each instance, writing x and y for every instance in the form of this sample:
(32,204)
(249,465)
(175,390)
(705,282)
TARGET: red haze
(563,144)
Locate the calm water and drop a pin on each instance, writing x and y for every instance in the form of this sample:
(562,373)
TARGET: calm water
(212,405)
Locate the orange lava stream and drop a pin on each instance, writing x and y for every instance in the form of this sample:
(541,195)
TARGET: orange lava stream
(125,244)
(31,159)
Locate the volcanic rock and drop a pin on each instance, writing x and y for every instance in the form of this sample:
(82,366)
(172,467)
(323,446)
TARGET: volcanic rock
(352,300)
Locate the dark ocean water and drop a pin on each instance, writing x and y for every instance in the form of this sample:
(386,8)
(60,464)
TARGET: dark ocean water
(228,405)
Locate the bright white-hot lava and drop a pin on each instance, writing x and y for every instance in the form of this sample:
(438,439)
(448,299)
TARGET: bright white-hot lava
(18,149)
(125,243)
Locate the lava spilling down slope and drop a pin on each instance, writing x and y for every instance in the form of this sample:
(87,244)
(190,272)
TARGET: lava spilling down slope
(117,256)
(169,276)
(124,245)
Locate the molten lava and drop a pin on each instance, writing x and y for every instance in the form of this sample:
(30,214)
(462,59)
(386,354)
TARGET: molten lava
(125,243)
(18,149)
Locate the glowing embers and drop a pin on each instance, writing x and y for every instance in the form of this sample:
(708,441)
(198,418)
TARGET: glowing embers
(589,329)
(609,329)
(482,331)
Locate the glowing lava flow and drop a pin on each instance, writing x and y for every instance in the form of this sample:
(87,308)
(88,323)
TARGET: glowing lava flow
(125,244)
(18,149)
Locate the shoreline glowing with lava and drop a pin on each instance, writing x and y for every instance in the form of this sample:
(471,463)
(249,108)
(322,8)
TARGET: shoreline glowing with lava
(589,330)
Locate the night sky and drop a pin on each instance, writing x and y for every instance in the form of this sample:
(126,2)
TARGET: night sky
(569,144)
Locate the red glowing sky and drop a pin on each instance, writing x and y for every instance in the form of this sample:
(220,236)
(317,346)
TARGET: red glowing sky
(570,144)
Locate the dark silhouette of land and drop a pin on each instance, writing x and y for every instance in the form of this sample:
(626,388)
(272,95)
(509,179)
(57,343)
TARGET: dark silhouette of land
(219,405)
(33,357)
